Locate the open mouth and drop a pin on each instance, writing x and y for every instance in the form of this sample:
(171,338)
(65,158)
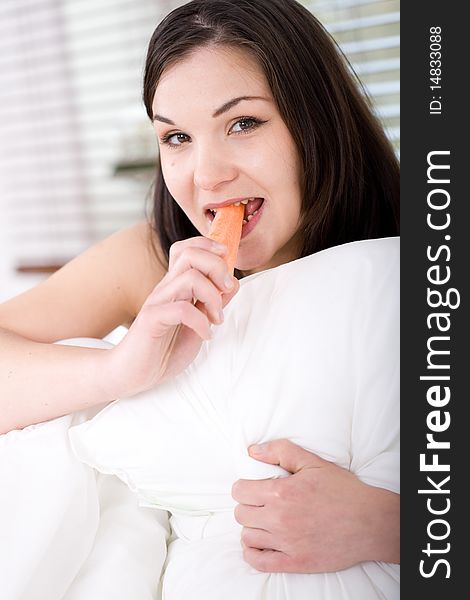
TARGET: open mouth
(252,206)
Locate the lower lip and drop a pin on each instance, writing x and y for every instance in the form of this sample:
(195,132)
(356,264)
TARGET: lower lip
(252,222)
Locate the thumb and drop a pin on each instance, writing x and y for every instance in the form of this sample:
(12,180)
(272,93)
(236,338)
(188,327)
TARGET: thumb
(286,454)
(228,296)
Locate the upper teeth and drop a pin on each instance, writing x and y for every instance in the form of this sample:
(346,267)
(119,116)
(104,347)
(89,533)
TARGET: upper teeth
(214,210)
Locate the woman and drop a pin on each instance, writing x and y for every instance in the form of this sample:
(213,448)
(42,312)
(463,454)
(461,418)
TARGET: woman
(250,101)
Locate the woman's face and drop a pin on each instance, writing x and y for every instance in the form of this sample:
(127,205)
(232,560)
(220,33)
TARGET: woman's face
(222,140)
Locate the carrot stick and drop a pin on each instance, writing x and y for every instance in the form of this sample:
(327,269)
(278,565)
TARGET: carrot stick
(226,228)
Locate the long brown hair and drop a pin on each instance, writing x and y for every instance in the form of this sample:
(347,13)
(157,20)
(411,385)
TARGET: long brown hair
(349,171)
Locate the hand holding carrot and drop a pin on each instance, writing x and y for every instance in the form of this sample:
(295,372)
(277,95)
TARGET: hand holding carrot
(168,331)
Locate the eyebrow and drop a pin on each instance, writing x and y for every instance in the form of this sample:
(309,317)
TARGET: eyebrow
(220,111)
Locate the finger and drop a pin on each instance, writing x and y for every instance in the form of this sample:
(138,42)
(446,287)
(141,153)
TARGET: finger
(178,313)
(210,264)
(286,454)
(228,296)
(258,538)
(253,492)
(196,242)
(268,561)
(191,284)
(256,517)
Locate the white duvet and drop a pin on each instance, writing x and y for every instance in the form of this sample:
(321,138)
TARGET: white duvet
(308,351)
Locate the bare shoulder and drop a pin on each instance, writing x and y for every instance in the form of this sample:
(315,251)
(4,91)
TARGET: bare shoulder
(102,288)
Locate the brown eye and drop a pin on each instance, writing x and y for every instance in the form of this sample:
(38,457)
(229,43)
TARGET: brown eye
(245,124)
(175,139)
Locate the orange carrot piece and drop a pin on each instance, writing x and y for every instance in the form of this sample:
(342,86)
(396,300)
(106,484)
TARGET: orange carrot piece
(226,228)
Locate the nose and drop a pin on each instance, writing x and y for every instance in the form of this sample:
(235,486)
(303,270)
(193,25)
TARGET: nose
(213,167)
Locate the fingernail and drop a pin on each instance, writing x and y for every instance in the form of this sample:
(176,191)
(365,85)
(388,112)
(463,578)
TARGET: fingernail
(221,316)
(258,448)
(228,282)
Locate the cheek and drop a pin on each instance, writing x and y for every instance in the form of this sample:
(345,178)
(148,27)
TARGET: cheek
(292,166)
(282,161)
(168,170)
(287,184)
(173,177)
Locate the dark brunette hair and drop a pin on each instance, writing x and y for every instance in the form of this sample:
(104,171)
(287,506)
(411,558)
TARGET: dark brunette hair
(349,172)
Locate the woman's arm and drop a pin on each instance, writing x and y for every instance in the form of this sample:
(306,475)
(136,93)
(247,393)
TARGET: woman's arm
(42,381)
(94,293)
(108,286)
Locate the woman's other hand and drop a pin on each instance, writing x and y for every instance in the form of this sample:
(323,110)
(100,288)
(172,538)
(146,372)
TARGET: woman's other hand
(321,518)
(167,333)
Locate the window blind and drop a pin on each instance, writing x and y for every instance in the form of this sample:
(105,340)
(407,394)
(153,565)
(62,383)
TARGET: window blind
(73,130)
(368,32)
(70,109)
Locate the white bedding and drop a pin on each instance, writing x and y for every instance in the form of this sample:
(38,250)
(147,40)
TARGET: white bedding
(68,532)
(308,351)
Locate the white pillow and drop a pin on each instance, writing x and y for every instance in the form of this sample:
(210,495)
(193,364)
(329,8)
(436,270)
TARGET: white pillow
(309,351)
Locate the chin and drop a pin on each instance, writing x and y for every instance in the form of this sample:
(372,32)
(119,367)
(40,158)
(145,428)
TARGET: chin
(252,265)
